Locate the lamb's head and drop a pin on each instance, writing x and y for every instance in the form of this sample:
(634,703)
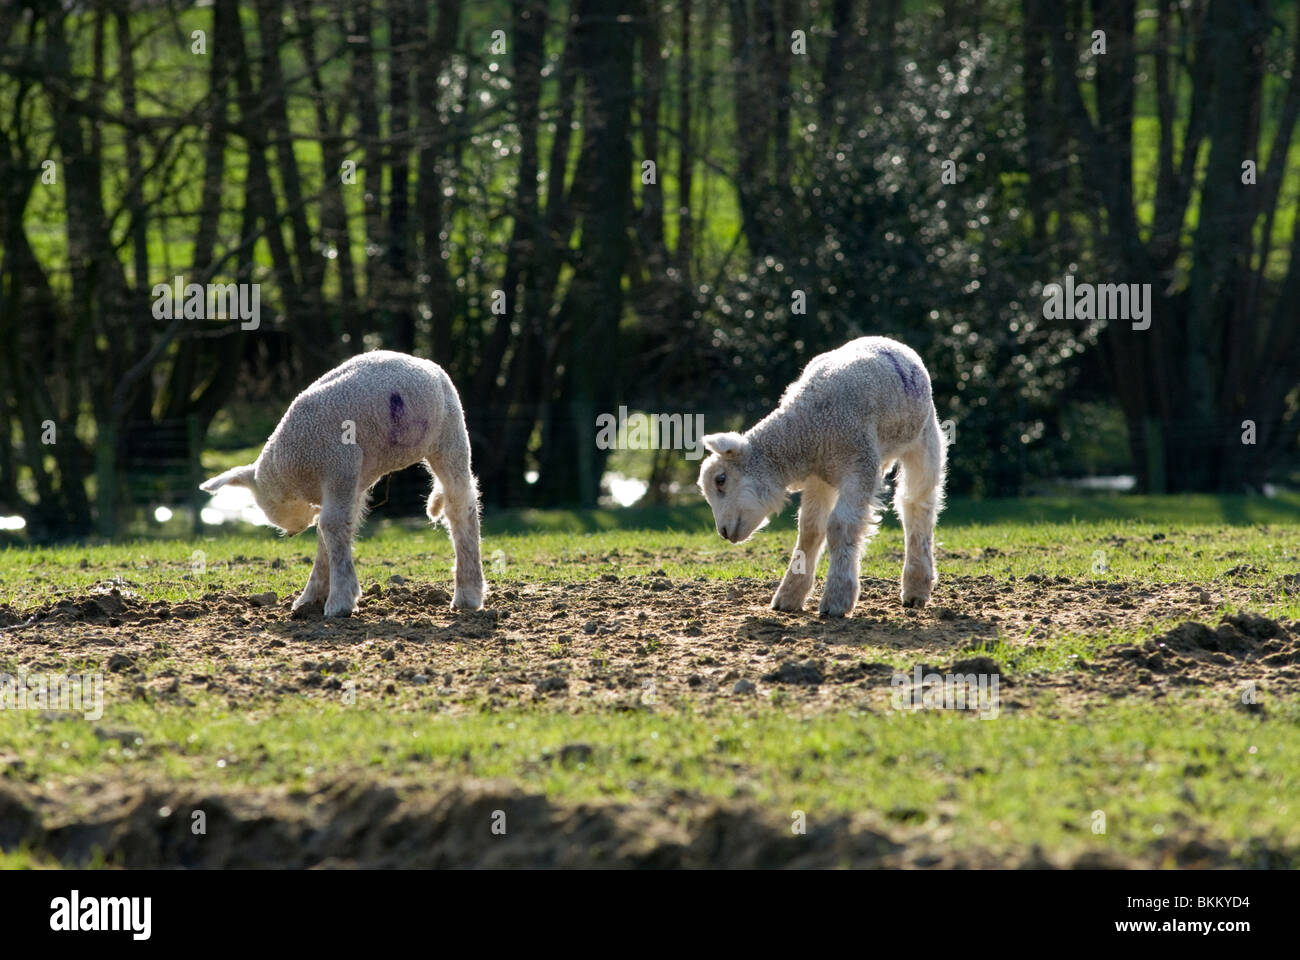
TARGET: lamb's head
(740,485)
(290,514)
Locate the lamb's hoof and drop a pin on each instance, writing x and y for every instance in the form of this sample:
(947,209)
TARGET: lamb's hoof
(792,593)
(308,611)
(916,587)
(308,600)
(833,607)
(833,613)
(839,598)
(789,601)
(466,600)
(341,608)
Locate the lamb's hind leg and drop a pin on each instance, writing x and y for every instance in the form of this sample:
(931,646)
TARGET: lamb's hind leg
(851,522)
(815,505)
(318,584)
(918,499)
(455,498)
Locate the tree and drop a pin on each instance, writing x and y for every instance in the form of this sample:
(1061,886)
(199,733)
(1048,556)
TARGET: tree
(1224,343)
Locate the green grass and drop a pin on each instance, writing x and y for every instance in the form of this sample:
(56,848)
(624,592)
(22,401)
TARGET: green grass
(1190,764)
(24,859)
(995,784)
(1143,539)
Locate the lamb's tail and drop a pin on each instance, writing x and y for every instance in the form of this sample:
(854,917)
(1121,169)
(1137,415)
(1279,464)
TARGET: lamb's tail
(235,477)
(436,501)
(920,482)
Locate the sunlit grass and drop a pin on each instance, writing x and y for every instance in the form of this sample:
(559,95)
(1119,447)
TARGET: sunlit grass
(995,784)
(1189,764)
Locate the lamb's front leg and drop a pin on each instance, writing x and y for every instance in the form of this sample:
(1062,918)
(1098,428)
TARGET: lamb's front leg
(339,518)
(814,509)
(850,523)
(318,584)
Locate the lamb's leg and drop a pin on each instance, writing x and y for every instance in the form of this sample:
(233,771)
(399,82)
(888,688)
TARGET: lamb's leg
(455,497)
(852,520)
(917,501)
(340,516)
(815,505)
(318,584)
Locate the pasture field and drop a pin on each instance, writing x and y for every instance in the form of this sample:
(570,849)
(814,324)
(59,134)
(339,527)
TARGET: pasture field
(628,699)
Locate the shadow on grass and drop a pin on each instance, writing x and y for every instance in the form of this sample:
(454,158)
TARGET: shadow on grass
(688,518)
(695,517)
(939,639)
(1230,509)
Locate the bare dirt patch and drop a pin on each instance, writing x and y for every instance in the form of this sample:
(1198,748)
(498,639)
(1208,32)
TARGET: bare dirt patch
(625,643)
(1244,649)
(611,643)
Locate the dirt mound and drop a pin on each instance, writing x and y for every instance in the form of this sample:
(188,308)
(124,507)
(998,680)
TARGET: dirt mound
(980,665)
(112,606)
(485,824)
(810,671)
(1244,645)
(9,617)
(473,824)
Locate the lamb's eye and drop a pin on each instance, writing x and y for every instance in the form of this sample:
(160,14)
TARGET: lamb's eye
(720,479)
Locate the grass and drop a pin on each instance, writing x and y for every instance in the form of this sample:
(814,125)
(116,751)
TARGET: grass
(1143,539)
(997,785)
(1187,765)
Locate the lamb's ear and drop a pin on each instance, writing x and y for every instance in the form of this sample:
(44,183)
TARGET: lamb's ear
(235,477)
(724,444)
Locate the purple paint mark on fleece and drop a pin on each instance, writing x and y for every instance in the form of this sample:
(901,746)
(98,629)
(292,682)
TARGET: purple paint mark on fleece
(911,382)
(402,430)
(395,407)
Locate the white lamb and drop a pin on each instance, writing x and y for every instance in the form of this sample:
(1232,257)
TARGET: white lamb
(839,428)
(375,413)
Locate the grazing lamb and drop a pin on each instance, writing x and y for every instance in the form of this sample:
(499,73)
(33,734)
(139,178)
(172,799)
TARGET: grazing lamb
(839,428)
(375,413)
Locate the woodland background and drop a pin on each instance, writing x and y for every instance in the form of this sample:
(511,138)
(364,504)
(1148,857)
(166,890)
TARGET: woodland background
(514,162)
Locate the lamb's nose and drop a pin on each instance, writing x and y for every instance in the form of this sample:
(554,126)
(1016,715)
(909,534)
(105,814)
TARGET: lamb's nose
(722,532)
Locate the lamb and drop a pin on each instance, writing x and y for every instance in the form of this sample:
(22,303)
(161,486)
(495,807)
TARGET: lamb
(852,414)
(373,414)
